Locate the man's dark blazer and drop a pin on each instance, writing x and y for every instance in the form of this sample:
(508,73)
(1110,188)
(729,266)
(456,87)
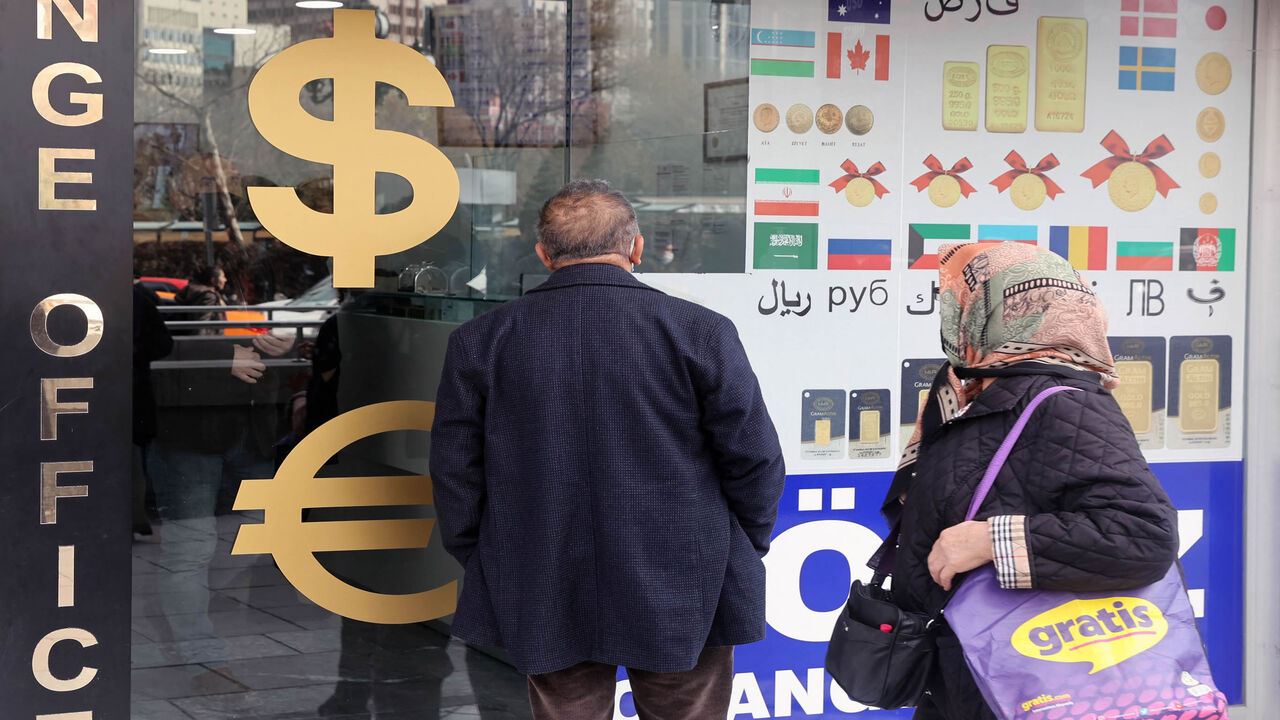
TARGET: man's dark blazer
(605,470)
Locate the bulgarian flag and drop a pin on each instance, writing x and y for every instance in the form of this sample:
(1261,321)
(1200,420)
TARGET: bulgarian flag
(1144,256)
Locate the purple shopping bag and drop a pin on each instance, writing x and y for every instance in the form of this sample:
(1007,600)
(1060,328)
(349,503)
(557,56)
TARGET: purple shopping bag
(1050,655)
(1057,655)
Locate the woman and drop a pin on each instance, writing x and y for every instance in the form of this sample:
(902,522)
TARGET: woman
(1075,506)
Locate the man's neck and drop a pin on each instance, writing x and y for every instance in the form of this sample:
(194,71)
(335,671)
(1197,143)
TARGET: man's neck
(615,259)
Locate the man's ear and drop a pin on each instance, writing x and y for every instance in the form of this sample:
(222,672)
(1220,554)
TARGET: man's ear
(542,255)
(637,249)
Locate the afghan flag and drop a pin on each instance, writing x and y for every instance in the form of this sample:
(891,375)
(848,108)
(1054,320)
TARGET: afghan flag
(1207,249)
(787,192)
(923,240)
(856,254)
(1144,256)
(1085,247)
(1008,233)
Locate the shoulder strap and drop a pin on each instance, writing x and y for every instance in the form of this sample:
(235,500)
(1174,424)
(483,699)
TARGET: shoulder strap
(1006,447)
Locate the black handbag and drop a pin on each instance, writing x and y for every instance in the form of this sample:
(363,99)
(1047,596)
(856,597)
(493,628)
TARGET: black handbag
(880,654)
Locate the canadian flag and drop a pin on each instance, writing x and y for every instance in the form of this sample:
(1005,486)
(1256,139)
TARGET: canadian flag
(857,56)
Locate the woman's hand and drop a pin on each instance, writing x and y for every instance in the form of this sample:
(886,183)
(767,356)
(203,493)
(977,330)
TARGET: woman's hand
(960,548)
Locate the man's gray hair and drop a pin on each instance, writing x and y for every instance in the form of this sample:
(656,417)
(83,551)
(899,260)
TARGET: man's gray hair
(586,219)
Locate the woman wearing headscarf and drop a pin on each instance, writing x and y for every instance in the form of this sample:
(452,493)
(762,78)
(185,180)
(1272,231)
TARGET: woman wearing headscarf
(1075,507)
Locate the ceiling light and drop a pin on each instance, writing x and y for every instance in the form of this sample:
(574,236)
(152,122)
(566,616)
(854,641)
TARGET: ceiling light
(234,31)
(167,51)
(318,4)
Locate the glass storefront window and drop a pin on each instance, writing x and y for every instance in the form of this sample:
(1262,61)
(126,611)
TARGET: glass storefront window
(648,95)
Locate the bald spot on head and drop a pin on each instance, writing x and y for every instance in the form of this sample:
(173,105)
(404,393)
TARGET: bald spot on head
(586,219)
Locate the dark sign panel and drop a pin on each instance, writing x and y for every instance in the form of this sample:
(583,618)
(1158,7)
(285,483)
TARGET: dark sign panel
(66,73)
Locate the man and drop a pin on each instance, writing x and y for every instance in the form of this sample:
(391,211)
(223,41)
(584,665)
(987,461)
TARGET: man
(607,474)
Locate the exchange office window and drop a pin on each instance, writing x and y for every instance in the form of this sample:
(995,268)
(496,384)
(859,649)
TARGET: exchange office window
(246,352)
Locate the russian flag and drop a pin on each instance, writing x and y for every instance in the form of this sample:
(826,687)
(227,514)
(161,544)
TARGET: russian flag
(1085,247)
(856,254)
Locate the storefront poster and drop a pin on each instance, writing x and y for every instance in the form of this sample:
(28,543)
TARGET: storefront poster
(1114,134)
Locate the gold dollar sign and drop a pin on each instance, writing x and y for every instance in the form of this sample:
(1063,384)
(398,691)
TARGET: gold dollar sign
(354,233)
(293,543)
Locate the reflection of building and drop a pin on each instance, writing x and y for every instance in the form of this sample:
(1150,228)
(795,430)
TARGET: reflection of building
(171,48)
(498,59)
(404,19)
(303,24)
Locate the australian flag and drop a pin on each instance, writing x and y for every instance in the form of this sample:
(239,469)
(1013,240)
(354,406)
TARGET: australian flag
(859,11)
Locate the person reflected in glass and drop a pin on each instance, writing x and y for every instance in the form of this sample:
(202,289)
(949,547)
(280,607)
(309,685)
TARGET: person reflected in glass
(151,341)
(204,288)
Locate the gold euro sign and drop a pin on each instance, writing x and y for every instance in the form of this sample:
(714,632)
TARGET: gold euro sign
(293,543)
(354,233)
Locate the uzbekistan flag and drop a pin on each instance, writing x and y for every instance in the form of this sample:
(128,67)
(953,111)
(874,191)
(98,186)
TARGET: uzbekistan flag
(1008,233)
(1152,18)
(798,191)
(1207,249)
(784,38)
(782,68)
(1147,68)
(923,240)
(852,254)
(1083,246)
(860,11)
(1144,256)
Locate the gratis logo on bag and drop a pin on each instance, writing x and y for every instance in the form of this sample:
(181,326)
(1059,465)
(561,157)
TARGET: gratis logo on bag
(1049,655)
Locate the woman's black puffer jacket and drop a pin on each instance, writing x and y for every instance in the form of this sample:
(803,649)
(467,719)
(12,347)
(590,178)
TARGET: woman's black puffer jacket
(1078,489)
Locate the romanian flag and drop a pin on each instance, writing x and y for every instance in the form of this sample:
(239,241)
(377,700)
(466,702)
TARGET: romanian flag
(795,192)
(851,254)
(1146,68)
(1144,256)
(923,240)
(1207,249)
(1007,233)
(1083,246)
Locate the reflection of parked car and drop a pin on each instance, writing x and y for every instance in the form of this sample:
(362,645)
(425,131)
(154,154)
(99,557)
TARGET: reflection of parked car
(164,287)
(313,305)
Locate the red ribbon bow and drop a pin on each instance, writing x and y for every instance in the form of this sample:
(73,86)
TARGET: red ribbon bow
(1047,163)
(1121,154)
(851,172)
(935,169)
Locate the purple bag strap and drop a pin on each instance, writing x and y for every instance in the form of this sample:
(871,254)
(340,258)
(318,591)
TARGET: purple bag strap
(1006,447)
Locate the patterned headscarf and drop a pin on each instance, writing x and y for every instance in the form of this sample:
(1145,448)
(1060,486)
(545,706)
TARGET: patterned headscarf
(1009,303)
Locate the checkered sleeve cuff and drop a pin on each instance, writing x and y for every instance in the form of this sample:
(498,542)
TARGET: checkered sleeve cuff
(1009,551)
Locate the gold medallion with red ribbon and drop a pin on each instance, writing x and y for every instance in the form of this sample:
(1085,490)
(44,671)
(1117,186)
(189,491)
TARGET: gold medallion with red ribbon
(860,188)
(1028,187)
(945,186)
(1132,180)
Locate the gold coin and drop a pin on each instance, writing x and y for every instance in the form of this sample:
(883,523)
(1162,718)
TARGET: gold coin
(828,118)
(859,192)
(1028,191)
(1210,124)
(859,119)
(765,117)
(1210,164)
(1132,186)
(799,118)
(1208,203)
(944,191)
(1213,73)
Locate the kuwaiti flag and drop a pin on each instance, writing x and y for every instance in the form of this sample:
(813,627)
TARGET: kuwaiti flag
(858,254)
(786,192)
(860,11)
(1007,233)
(1085,247)
(923,240)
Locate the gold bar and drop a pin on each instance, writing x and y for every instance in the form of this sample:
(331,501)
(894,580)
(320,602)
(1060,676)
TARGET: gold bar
(1061,60)
(1008,72)
(961,92)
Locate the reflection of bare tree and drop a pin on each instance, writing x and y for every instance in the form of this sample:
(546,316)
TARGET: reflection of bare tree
(224,106)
